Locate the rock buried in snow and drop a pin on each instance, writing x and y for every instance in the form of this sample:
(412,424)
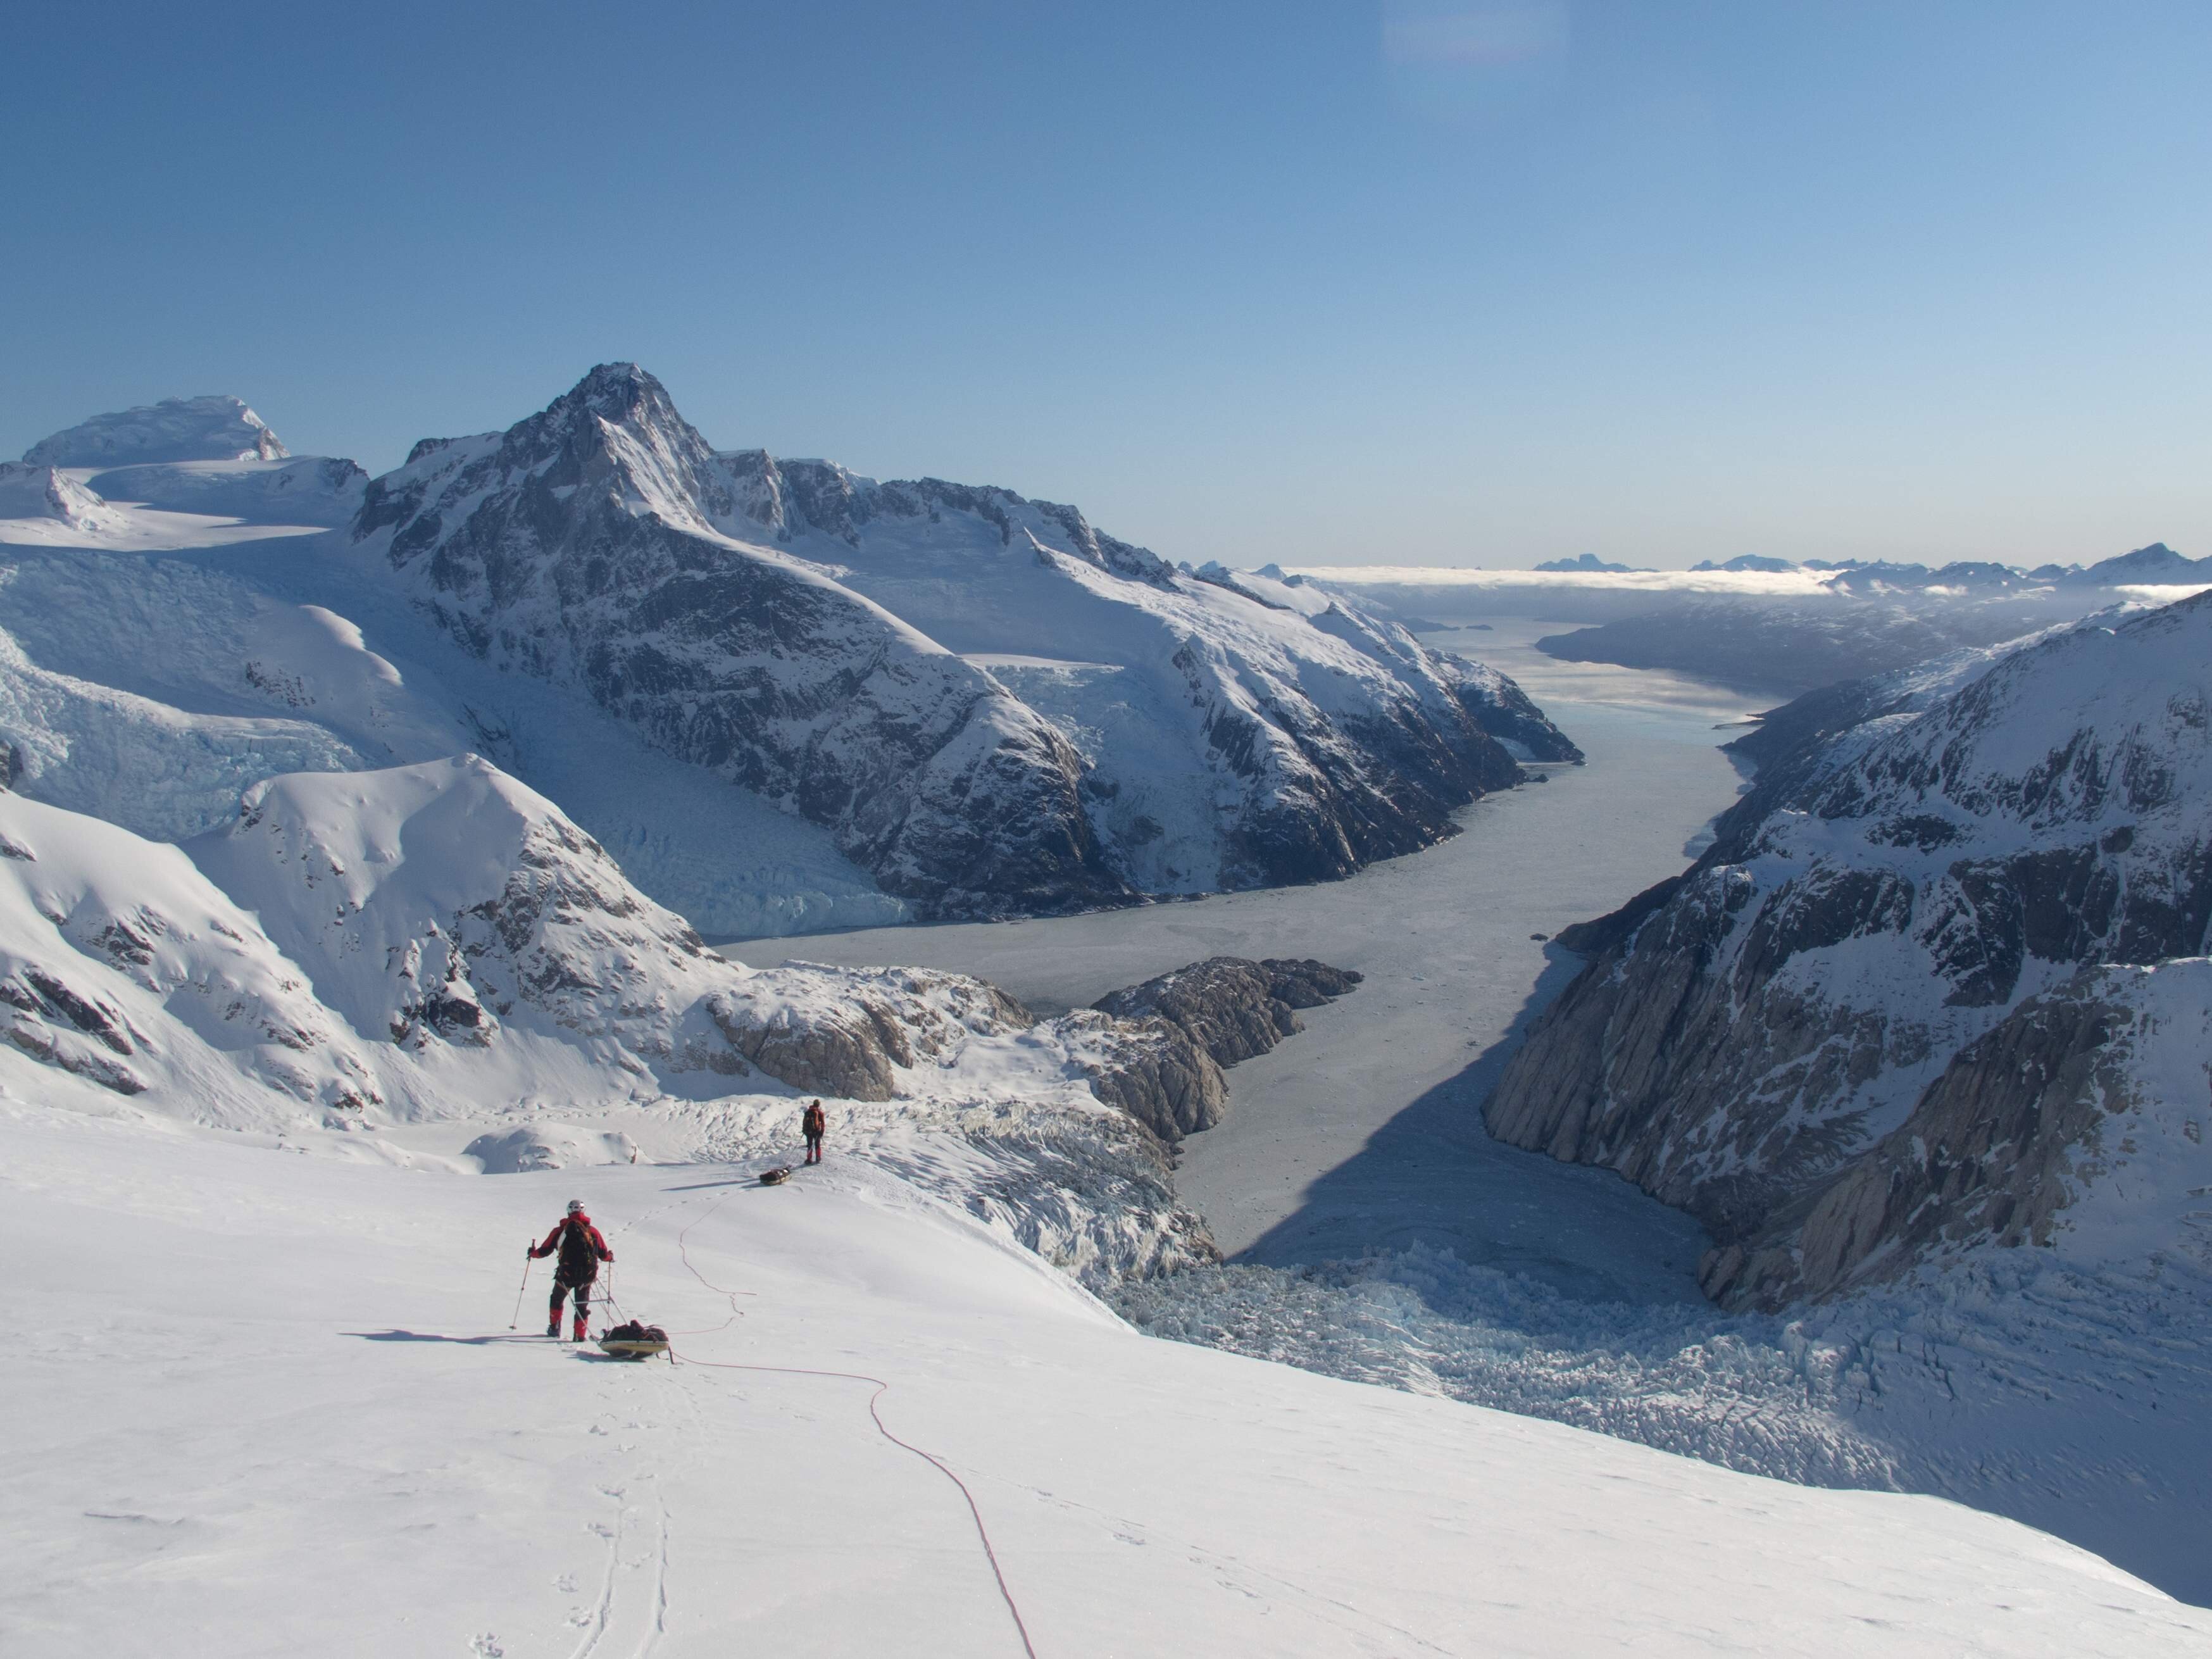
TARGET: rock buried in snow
(549,1147)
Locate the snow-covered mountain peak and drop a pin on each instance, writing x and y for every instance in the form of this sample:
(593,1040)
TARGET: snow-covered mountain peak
(580,546)
(615,438)
(851,650)
(214,428)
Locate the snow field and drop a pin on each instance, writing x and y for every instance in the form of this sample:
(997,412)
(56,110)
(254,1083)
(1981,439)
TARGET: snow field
(265,1400)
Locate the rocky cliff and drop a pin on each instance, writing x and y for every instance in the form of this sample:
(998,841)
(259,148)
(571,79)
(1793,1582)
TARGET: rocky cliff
(1936,853)
(2076,1123)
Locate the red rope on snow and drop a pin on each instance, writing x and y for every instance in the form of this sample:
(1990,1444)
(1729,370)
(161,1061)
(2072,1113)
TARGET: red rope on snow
(882,1388)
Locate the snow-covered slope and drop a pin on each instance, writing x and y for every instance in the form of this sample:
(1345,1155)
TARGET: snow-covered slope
(306,489)
(1815,983)
(445,908)
(267,1402)
(153,693)
(206,428)
(437,942)
(127,970)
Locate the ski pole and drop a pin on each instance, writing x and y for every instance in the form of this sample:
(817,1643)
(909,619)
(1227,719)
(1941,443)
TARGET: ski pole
(520,1293)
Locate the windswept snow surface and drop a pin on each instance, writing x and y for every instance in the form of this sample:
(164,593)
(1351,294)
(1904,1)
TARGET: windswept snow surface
(264,1401)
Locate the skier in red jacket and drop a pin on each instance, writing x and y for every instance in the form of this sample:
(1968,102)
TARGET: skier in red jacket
(581,1251)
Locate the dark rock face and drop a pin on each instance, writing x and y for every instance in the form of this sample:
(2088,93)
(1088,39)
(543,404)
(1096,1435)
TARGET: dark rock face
(576,547)
(1234,1008)
(1341,738)
(1156,1072)
(1165,1042)
(1505,712)
(1983,1157)
(1861,973)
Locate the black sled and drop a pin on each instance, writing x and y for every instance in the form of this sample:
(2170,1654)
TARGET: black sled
(632,1340)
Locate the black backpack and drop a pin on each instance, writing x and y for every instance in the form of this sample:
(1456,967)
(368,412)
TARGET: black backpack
(579,1260)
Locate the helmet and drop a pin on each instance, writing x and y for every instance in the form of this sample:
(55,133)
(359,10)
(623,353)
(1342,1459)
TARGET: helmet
(575,1206)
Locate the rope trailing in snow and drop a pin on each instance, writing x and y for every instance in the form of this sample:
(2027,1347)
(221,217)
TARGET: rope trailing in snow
(936,1462)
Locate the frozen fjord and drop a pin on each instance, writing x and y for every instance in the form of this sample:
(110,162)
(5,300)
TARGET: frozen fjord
(1366,1132)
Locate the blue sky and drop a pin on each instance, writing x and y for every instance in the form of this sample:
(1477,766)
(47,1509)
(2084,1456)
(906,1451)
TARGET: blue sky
(1409,282)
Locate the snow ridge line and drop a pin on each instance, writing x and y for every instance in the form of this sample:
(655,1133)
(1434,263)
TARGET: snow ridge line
(882,1388)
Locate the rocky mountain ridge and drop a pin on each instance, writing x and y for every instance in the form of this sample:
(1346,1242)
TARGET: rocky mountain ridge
(787,624)
(1937,852)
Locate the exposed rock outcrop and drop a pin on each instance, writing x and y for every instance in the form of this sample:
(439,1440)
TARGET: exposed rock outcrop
(848,1032)
(1152,1069)
(1161,1047)
(1233,1007)
(2018,1142)
(1498,705)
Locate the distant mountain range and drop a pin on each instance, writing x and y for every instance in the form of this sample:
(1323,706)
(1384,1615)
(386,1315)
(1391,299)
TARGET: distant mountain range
(2156,565)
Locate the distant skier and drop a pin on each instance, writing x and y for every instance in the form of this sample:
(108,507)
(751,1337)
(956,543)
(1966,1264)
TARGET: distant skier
(581,1251)
(814,1123)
